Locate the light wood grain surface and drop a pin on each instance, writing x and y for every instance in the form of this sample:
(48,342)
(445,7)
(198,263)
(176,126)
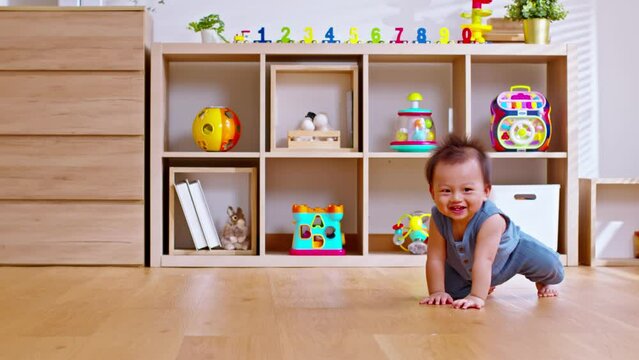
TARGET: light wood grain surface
(71,40)
(71,232)
(72,167)
(72,103)
(164,313)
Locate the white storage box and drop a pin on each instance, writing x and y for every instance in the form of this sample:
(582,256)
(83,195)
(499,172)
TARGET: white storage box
(534,208)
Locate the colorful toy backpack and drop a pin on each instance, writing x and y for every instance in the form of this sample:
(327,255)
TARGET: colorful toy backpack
(520,120)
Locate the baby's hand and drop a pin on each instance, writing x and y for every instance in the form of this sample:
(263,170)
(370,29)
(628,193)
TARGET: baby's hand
(438,298)
(469,302)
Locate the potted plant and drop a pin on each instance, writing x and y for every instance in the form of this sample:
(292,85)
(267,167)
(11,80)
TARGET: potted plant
(536,15)
(211,27)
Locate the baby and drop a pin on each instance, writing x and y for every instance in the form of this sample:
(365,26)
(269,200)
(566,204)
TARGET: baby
(473,246)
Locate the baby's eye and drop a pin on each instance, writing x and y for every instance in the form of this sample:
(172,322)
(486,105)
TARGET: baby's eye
(468,189)
(445,191)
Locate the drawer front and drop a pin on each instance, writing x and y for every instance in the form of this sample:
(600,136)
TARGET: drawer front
(71,40)
(86,232)
(72,167)
(71,103)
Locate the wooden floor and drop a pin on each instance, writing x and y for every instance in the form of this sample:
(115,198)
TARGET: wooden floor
(141,313)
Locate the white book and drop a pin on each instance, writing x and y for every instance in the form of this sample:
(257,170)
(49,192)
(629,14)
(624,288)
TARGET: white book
(204,214)
(190,214)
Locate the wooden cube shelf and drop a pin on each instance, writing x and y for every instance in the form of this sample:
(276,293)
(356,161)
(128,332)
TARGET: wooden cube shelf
(596,223)
(328,89)
(375,184)
(223,187)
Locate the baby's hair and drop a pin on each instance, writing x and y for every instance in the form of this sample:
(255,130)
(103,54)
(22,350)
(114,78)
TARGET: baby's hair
(455,150)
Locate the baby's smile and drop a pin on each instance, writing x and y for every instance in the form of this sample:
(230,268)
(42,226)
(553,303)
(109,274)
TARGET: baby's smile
(457,209)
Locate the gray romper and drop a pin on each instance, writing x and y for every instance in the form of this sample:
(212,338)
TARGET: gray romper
(518,253)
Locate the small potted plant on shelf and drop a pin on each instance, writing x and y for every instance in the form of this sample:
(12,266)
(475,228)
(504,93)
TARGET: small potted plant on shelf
(536,15)
(211,27)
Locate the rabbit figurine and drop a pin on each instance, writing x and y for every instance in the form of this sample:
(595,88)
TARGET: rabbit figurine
(235,233)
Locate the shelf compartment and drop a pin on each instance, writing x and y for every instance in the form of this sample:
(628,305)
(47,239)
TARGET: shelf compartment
(390,196)
(192,86)
(316,183)
(494,75)
(440,81)
(223,187)
(608,211)
(332,89)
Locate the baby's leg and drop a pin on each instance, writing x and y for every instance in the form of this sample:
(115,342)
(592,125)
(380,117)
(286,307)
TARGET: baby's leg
(456,286)
(541,265)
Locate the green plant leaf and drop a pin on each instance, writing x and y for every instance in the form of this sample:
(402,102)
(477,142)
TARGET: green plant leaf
(211,21)
(536,9)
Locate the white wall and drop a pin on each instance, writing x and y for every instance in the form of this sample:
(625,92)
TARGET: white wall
(618,53)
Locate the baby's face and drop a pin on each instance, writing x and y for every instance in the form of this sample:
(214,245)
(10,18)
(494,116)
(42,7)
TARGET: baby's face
(459,189)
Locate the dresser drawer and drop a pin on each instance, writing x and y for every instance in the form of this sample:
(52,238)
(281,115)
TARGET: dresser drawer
(71,103)
(72,167)
(72,40)
(110,232)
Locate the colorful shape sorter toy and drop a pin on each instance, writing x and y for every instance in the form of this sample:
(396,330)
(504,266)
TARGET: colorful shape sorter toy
(520,120)
(318,231)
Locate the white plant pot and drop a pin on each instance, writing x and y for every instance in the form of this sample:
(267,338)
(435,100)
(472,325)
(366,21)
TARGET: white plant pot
(211,36)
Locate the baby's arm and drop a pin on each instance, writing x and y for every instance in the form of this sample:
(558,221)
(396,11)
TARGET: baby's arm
(486,247)
(435,268)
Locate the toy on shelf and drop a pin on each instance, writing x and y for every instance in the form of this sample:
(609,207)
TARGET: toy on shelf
(216,128)
(476,27)
(318,231)
(235,235)
(314,133)
(242,37)
(415,131)
(520,120)
(444,36)
(416,229)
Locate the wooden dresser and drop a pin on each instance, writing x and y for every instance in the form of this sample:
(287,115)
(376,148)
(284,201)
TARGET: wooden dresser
(72,145)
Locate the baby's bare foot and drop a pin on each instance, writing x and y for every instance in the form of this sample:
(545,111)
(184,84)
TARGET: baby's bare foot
(544,290)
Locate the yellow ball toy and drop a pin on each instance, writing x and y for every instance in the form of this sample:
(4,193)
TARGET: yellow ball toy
(216,129)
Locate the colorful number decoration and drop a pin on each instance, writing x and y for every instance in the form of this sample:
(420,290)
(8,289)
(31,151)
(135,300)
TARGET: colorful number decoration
(330,37)
(399,40)
(376,36)
(422,38)
(444,35)
(286,31)
(354,36)
(308,37)
(466,34)
(262,39)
